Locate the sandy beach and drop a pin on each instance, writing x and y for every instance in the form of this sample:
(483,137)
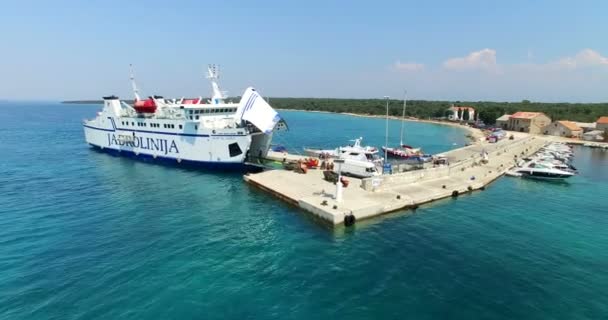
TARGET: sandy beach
(474,134)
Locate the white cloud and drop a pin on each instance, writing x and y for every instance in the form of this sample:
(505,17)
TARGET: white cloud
(408,66)
(580,76)
(584,58)
(484,59)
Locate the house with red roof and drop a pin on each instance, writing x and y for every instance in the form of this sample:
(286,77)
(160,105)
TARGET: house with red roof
(531,122)
(601,124)
(564,128)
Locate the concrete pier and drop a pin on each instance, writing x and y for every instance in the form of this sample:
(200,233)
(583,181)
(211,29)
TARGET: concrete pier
(366,198)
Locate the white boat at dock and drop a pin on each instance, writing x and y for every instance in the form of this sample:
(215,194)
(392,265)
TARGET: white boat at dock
(549,165)
(354,151)
(538,170)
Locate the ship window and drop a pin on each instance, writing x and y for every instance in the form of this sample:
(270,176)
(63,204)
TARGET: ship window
(190,111)
(234,149)
(195,127)
(180,126)
(196,117)
(132,123)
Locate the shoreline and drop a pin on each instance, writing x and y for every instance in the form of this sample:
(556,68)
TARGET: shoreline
(474,134)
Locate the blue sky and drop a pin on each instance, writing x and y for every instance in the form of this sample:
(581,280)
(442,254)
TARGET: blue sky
(449,50)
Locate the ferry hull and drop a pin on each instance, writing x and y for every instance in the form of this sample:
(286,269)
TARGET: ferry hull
(222,150)
(205,165)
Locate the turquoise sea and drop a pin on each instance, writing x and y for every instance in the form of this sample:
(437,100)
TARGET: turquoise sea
(84,235)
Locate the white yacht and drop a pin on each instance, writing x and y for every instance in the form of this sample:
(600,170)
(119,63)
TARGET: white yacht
(354,151)
(209,133)
(542,170)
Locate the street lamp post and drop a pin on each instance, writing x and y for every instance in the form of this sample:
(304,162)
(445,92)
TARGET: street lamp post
(386,132)
(339,186)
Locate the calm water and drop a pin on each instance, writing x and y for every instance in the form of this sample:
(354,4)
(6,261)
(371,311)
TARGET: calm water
(84,235)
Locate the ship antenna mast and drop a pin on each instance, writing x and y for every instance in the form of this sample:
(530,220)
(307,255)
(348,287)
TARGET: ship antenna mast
(213,74)
(132,77)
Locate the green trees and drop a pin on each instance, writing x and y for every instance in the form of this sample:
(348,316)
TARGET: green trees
(459,113)
(466,115)
(486,111)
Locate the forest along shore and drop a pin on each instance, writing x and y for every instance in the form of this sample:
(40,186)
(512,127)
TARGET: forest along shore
(488,110)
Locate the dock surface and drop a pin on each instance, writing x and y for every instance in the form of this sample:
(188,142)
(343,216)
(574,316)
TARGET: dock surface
(366,198)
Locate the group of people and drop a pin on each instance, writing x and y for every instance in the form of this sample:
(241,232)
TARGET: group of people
(327,165)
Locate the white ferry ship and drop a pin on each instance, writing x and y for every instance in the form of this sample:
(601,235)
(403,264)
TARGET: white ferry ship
(213,133)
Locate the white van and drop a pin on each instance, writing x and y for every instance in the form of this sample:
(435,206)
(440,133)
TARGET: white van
(357,168)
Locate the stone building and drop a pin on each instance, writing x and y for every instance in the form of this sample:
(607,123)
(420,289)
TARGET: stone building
(563,128)
(532,122)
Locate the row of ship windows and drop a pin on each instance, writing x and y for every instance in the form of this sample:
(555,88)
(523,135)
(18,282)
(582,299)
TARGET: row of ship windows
(212,111)
(152,125)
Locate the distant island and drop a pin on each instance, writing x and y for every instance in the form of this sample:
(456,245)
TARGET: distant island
(488,111)
(90,101)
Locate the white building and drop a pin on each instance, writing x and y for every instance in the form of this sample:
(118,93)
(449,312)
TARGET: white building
(462,110)
(595,135)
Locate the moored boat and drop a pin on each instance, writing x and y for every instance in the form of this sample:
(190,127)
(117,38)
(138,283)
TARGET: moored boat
(404,153)
(538,170)
(355,151)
